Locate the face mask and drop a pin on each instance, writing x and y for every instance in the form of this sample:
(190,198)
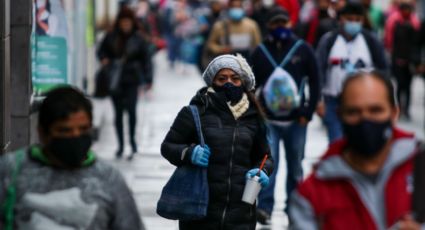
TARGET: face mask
(236,14)
(367,137)
(281,33)
(352,28)
(70,151)
(233,93)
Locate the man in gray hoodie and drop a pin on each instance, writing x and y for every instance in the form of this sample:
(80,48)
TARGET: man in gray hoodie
(59,184)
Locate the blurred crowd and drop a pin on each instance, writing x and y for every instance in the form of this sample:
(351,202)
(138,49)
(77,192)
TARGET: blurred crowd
(194,31)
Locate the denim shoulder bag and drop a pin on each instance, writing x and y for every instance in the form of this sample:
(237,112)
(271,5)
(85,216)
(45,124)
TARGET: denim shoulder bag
(186,194)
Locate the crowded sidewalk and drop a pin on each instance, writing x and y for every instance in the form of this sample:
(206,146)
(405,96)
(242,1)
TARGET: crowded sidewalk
(147,173)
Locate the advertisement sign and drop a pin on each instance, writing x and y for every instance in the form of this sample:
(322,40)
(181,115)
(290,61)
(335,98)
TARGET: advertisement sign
(49,46)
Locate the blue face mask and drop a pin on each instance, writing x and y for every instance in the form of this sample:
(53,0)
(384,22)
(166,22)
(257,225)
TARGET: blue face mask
(281,33)
(236,14)
(352,28)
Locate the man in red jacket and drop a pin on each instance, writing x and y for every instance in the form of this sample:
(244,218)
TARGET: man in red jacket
(365,180)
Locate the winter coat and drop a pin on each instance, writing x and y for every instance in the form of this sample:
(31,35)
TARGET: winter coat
(225,33)
(236,147)
(336,196)
(303,64)
(134,51)
(93,197)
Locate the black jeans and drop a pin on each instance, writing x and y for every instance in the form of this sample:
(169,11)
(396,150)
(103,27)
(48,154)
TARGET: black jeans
(404,76)
(126,100)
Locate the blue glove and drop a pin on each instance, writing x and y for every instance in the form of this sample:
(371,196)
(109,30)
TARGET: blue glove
(264,179)
(200,156)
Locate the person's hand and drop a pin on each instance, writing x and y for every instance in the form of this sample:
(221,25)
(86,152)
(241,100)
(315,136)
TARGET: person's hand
(264,179)
(320,109)
(303,121)
(407,223)
(200,156)
(104,61)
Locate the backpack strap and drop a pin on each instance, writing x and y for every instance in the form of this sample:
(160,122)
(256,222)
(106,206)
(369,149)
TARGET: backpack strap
(302,86)
(268,55)
(197,119)
(287,57)
(10,201)
(291,53)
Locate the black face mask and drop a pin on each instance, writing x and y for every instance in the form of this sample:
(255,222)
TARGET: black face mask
(367,137)
(70,151)
(232,93)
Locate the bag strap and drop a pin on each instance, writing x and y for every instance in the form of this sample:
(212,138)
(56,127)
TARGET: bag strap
(291,53)
(195,114)
(302,86)
(287,57)
(10,201)
(268,55)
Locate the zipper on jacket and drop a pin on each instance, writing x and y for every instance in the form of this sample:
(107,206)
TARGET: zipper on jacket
(229,180)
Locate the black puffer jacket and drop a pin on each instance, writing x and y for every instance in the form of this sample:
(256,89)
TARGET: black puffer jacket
(236,147)
(133,50)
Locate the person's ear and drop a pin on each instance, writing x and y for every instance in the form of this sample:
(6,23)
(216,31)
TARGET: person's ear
(42,135)
(395,113)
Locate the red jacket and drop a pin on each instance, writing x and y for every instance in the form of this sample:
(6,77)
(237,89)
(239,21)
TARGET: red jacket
(337,197)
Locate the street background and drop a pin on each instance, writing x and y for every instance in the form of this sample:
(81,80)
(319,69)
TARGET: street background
(148,172)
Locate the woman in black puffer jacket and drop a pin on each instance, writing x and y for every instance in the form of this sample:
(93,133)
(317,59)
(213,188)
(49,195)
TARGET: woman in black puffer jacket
(124,46)
(235,134)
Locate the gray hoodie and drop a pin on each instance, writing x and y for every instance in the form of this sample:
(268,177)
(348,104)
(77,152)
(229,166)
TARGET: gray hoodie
(94,197)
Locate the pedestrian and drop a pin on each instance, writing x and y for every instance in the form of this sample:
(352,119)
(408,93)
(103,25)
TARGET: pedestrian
(124,54)
(363,181)
(215,13)
(300,68)
(60,183)
(235,33)
(260,8)
(292,7)
(236,142)
(323,21)
(341,52)
(375,16)
(401,29)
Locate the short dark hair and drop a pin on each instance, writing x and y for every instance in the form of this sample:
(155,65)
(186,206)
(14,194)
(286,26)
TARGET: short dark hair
(378,75)
(59,104)
(354,8)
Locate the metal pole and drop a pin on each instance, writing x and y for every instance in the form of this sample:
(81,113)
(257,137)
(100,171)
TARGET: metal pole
(4,75)
(20,70)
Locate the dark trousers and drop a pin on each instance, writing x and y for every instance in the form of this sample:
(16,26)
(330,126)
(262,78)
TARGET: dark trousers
(293,137)
(126,100)
(404,76)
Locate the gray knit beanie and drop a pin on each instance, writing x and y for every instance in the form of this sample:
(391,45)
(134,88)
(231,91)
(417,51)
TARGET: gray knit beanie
(236,63)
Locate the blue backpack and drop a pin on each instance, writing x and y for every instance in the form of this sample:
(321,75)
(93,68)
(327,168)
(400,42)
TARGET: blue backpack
(281,94)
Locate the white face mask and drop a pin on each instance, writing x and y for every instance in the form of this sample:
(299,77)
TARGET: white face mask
(268,3)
